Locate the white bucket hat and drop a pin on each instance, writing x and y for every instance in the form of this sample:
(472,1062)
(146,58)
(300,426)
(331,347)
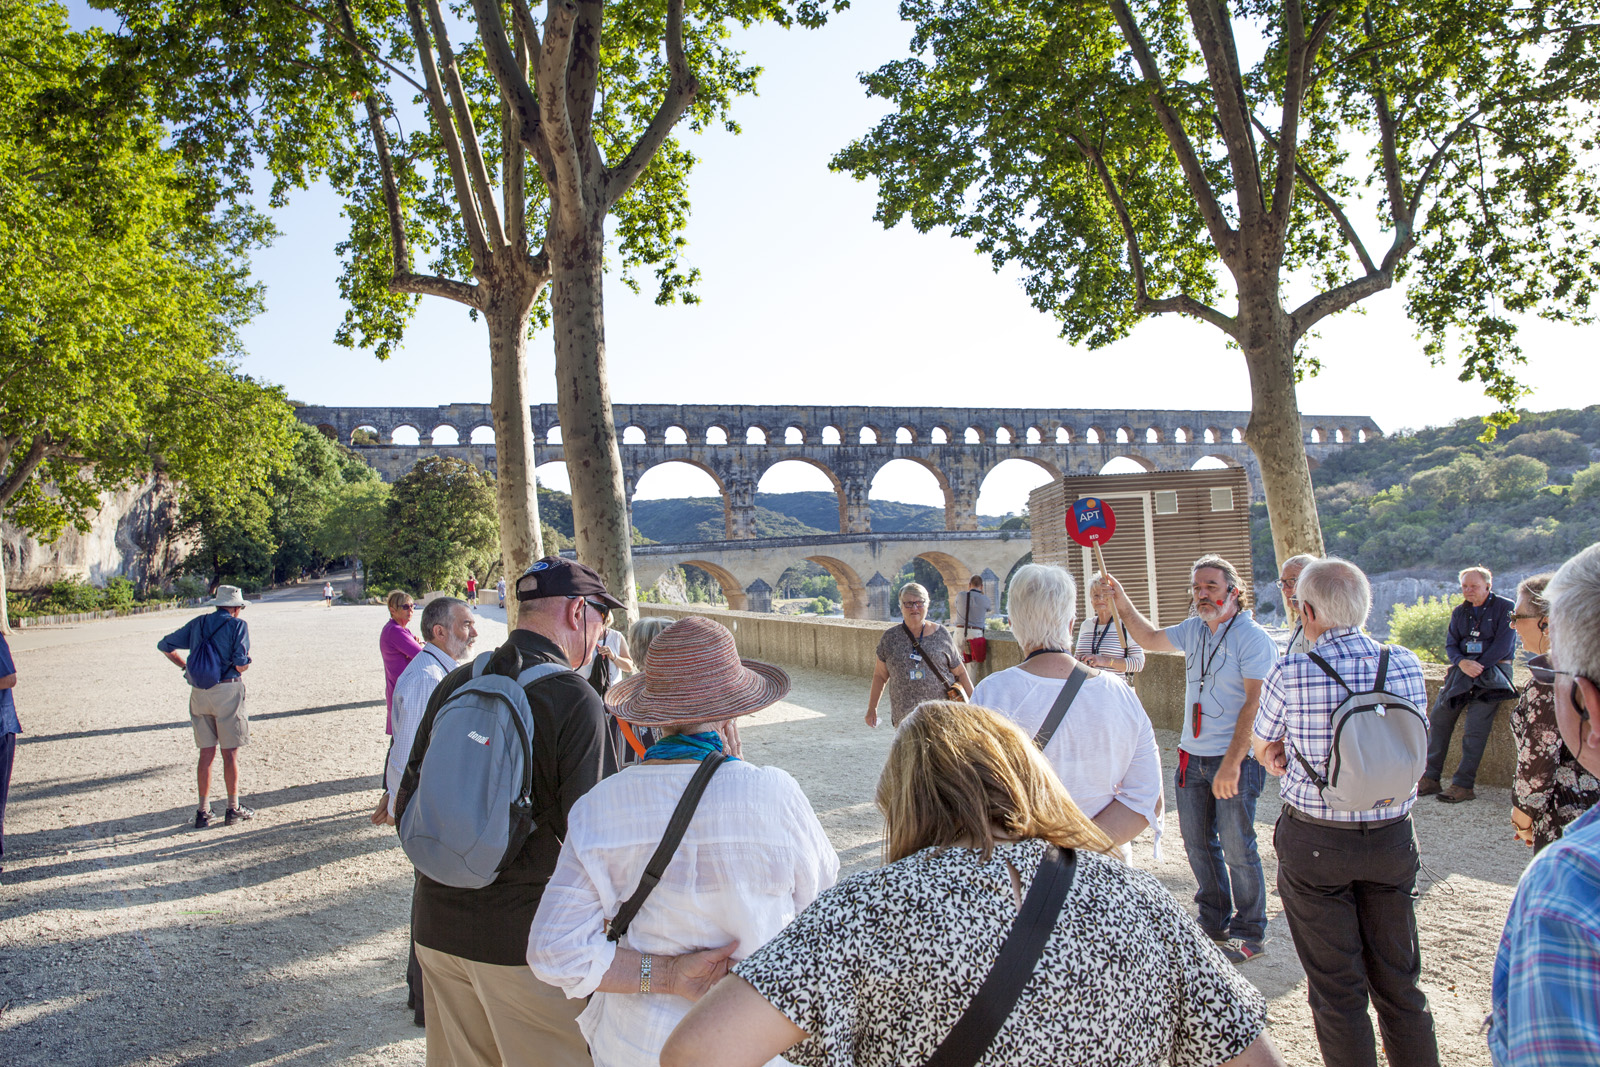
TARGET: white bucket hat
(228,596)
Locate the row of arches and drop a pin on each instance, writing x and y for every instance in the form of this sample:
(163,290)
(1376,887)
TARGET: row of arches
(410,435)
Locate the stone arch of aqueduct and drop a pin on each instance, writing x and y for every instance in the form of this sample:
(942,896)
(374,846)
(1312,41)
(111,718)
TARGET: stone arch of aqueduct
(737,444)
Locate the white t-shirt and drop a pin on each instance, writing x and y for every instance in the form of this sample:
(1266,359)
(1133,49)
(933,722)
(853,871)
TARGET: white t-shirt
(753,858)
(1104,750)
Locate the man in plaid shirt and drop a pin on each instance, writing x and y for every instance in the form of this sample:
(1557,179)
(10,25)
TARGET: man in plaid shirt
(1546,989)
(1346,877)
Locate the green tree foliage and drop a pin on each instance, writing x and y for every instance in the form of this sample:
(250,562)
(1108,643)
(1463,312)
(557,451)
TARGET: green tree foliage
(1131,162)
(1586,484)
(120,294)
(441,526)
(1423,627)
(355,523)
(234,542)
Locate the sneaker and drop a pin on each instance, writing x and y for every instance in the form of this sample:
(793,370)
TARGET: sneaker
(1239,952)
(202,818)
(1455,794)
(237,815)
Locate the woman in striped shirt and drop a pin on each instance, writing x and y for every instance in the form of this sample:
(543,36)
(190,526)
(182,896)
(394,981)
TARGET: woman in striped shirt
(1100,638)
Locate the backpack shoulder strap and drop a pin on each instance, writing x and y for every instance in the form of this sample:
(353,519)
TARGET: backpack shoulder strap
(540,671)
(1058,710)
(1383,668)
(1019,956)
(480,663)
(1331,673)
(669,845)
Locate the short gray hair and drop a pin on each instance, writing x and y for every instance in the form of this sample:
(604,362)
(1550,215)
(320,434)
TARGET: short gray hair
(1574,595)
(1338,591)
(437,613)
(1488,578)
(1043,603)
(641,633)
(913,588)
(1299,562)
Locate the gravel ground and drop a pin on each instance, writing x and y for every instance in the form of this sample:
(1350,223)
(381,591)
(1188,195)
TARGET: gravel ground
(126,937)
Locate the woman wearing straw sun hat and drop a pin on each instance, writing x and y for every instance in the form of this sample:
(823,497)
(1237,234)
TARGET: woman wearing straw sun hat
(750,858)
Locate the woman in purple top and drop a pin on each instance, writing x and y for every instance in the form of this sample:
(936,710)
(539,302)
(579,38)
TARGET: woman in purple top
(398,646)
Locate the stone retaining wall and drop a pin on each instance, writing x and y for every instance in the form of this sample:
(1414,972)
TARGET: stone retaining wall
(849,646)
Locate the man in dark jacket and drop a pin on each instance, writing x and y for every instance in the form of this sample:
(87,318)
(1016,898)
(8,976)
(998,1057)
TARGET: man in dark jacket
(1479,647)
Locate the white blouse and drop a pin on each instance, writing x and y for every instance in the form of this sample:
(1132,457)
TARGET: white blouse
(1104,750)
(754,856)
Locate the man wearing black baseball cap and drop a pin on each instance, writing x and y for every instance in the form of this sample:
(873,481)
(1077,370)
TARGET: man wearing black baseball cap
(484,1004)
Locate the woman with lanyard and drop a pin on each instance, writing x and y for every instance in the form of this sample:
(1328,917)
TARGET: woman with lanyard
(1100,638)
(751,858)
(1103,750)
(917,661)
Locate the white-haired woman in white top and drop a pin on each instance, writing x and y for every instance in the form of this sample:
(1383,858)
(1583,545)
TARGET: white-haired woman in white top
(1105,750)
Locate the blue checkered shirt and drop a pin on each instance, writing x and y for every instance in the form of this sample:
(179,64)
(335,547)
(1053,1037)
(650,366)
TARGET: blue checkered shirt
(1298,701)
(1546,989)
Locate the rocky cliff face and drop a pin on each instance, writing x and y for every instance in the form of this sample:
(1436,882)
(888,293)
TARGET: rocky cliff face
(132,536)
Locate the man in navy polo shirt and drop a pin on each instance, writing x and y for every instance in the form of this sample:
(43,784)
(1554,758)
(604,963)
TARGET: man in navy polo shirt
(9,729)
(1226,657)
(217,714)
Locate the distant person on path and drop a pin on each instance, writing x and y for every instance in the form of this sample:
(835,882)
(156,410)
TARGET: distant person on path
(1226,656)
(217,714)
(1288,579)
(485,1007)
(1104,749)
(1100,638)
(447,622)
(10,727)
(1347,879)
(1479,647)
(1551,788)
(398,646)
(877,972)
(972,622)
(500,591)
(917,661)
(327,594)
(752,857)
(472,590)
(1546,986)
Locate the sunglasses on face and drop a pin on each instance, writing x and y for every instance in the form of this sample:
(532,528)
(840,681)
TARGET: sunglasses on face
(407,607)
(1517,616)
(1547,676)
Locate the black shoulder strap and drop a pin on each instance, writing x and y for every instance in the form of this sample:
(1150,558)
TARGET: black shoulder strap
(669,845)
(1383,668)
(1058,710)
(970,1038)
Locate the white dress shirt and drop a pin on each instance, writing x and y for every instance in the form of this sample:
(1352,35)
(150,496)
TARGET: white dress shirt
(1104,750)
(753,857)
(411,692)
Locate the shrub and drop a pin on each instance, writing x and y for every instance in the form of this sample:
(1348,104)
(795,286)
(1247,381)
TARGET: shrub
(1558,448)
(71,596)
(190,587)
(119,594)
(1586,483)
(1423,627)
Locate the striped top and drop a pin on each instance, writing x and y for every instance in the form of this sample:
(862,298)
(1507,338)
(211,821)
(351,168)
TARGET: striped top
(1096,638)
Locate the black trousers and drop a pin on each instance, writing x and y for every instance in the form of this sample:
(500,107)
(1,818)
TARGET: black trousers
(1349,899)
(1474,739)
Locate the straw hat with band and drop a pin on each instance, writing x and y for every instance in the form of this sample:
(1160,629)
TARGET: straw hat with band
(693,674)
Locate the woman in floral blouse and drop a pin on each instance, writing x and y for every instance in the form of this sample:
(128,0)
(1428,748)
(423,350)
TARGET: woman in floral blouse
(1551,788)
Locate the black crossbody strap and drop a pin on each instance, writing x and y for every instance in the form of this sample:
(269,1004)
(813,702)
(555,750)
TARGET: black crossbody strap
(1058,710)
(669,845)
(970,1038)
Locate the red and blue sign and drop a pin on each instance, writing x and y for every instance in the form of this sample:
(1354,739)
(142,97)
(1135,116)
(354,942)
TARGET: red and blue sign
(1090,521)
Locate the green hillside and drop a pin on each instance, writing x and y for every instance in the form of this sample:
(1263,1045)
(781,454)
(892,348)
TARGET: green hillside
(1441,499)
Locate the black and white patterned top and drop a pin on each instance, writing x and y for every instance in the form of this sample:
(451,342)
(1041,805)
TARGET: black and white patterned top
(879,968)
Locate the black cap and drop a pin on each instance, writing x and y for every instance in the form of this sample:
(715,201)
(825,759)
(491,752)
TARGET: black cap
(554,576)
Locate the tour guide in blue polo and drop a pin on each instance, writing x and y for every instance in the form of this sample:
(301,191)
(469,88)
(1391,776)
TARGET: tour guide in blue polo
(1226,656)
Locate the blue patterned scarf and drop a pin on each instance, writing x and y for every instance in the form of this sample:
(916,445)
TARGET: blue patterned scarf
(686,746)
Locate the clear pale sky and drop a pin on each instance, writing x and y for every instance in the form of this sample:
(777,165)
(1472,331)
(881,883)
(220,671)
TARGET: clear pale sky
(807,300)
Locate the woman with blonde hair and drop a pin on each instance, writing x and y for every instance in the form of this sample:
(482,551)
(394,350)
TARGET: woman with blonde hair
(881,969)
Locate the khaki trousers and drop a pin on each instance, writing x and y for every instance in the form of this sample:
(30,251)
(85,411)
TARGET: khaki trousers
(482,1015)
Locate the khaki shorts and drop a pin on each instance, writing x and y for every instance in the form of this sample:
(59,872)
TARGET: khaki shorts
(217,715)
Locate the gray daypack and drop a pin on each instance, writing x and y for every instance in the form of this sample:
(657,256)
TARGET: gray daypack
(1380,746)
(472,808)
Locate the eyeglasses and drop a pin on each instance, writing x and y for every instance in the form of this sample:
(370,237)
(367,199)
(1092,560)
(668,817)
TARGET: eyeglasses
(1284,583)
(407,607)
(913,603)
(603,609)
(1519,617)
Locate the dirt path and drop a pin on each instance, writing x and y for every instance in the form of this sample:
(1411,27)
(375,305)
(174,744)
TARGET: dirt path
(128,938)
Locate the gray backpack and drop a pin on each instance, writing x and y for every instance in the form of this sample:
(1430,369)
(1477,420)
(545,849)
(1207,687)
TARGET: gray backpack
(473,804)
(1380,746)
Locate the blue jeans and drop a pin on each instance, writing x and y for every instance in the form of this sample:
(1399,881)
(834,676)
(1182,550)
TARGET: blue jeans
(1220,838)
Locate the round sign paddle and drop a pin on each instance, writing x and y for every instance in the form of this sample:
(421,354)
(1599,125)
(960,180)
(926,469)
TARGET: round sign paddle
(1090,521)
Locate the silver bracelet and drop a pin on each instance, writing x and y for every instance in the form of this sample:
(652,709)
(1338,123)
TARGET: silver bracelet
(644,973)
